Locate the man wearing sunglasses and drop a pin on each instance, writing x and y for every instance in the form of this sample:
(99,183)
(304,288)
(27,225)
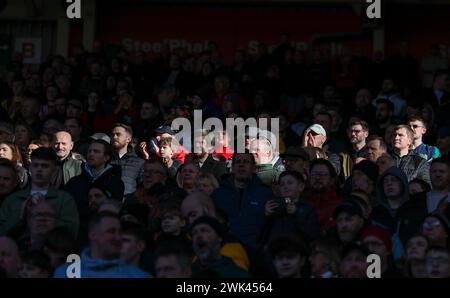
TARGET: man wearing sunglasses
(419,126)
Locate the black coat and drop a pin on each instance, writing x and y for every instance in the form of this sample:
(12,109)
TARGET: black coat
(109,180)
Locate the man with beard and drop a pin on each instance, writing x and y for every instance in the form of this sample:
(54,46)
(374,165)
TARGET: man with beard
(383,116)
(102,258)
(440,183)
(357,132)
(68,167)
(207,236)
(323,194)
(132,166)
(204,159)
(349,222)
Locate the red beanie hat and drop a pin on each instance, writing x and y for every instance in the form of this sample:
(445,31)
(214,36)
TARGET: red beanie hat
(380,233)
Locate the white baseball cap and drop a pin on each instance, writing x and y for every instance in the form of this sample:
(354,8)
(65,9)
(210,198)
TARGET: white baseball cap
(318,129)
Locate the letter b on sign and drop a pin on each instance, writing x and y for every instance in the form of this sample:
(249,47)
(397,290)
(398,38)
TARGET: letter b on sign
(374,10)
(374,269)
(74,269)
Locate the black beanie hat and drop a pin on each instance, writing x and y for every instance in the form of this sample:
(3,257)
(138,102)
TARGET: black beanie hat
(210,221)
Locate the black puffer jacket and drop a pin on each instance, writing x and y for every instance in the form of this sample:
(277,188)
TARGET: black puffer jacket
(413,166)
(132,168)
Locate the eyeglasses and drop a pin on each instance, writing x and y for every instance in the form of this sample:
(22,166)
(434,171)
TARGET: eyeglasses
(428,225)
(439,260)
(354,131)
(415,126)
(318,174)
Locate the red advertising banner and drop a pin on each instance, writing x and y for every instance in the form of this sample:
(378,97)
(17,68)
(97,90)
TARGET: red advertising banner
(149,28)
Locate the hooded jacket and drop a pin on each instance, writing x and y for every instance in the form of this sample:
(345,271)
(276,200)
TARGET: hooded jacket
(99,268)
(244,208)
(405,220)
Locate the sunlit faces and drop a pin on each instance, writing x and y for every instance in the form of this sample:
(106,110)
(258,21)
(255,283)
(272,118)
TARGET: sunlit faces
(418,128)
(120,138)
(6,151)
(357,134)
(401,139)
(63,144)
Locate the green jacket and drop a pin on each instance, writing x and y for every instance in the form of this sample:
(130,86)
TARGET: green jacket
(64,204)
(267,174)
(70,168)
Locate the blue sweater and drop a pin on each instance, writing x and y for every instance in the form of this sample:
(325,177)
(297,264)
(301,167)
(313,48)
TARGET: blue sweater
(98,268)
(245,209)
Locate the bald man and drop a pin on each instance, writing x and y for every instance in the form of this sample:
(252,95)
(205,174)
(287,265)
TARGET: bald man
(9,256)
(68,166)
(196,205)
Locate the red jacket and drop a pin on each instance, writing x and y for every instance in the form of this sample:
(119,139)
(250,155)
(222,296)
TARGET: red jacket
(325,203)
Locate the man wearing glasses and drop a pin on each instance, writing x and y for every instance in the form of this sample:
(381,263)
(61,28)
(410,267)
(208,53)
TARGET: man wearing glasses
(419,126)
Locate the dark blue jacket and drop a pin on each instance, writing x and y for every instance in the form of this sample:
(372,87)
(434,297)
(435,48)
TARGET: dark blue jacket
(109,179)
(245,211)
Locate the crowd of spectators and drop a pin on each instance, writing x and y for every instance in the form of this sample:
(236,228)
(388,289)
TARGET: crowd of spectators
(90,165)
